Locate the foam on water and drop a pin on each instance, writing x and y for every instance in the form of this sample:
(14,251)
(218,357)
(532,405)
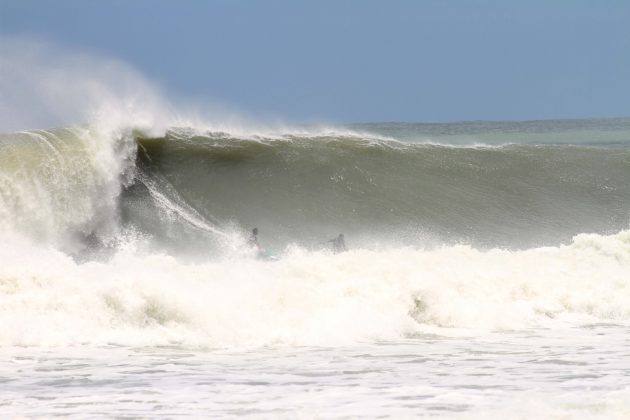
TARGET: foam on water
(308,298)
(564,373)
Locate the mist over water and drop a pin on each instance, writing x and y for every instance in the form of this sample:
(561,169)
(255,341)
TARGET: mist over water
(124,224)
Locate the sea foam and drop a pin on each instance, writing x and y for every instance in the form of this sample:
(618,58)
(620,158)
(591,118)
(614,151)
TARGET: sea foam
(308,298)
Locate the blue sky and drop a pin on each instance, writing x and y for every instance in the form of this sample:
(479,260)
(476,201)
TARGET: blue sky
(362,60)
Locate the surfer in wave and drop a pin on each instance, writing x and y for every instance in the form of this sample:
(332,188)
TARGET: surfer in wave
(253,240)
(261,253)
(338,244)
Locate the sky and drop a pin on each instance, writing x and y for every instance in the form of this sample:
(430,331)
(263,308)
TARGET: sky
(358,60)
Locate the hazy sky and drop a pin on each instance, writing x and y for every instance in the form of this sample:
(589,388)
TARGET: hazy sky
(353,61)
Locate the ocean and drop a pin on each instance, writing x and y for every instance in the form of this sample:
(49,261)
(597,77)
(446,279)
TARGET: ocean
(487,271)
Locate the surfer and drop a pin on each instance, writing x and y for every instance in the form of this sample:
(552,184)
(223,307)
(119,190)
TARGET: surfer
(338,244)
(253,240)
(261,253)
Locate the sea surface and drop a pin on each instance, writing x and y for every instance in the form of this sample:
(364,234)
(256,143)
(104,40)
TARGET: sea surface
(488,271)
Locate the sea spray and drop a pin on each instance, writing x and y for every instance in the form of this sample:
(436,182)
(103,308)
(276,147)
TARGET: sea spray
(62,184)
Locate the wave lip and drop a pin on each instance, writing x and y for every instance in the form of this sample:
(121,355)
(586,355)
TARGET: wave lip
(59,184)
(168,213)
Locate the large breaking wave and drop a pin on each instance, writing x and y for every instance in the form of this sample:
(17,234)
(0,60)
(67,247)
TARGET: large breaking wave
(188,189)
(303,188)
(122,231)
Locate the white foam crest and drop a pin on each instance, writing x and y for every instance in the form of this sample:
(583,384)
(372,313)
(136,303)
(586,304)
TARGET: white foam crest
(275,132)
(473,145)
(213,120)
(66,181)
(55,184)
(308,298)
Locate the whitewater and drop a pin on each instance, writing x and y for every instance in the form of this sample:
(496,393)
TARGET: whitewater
(488,272)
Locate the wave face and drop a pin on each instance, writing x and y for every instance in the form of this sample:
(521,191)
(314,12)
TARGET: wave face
(305,189)
(127,238)
(191,189)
